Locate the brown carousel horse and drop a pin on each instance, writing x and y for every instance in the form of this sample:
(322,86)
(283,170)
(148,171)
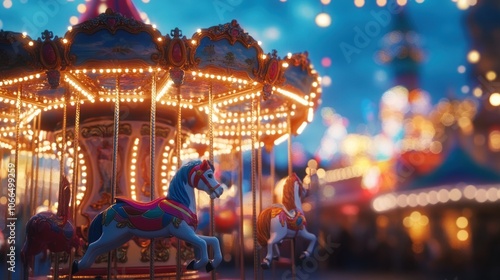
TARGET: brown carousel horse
(287,220)
(49,231)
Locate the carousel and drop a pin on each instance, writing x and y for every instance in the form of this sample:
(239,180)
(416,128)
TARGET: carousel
(98,126)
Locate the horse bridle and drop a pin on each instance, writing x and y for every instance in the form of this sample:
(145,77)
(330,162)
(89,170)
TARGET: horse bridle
(199,170)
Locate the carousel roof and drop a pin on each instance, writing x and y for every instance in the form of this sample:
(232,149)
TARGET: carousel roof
(112,53)
(459,178)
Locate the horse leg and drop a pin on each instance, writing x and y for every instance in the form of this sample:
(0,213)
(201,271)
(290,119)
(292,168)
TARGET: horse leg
(197,252)
(214,242)
(187,234)
(110,239)
(277,233)
(276,252)
(312,241)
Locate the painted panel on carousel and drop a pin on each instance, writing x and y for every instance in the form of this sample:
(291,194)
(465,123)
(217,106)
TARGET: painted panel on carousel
(143,160)
(298,75)
(118,46)
(98,140)
(222,54)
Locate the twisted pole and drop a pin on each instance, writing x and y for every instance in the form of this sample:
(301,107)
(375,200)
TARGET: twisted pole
(178,146)
(152,148)
(240,184)
(76,144)
(211,158)
(61,166)
(290,171)
(114,179)
(254,193)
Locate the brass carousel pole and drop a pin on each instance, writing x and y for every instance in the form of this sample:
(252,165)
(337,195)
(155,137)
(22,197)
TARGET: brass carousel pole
(211,158)
(44,175)
(178,146)
(76,147)
(272,171)
(61,166)
(16,156)
(240,184)
(290,171)
(254,193)
(49,196)
(114,179)
(152,146)
(36,156)
(259,171)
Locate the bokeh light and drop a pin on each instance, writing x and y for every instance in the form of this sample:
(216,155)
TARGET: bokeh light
(473,56)
(326,81)
(495,99)
(359,3)
(326,62)
(462,222)
(491,75)
(7,4)
(323,19)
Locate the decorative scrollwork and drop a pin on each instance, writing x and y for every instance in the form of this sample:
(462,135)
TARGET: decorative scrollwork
(121,255)
(162,132)
(105,130)
(161,249)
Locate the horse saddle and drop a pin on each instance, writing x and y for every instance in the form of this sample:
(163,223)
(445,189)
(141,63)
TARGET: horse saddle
(57,224)
(294,218)
(150,216)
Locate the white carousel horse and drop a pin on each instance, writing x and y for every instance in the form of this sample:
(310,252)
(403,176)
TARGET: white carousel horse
(287,220)
(174,215)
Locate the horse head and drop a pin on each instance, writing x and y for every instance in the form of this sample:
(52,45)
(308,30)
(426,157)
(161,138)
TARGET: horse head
(293,192)
(202,177)
(303,192)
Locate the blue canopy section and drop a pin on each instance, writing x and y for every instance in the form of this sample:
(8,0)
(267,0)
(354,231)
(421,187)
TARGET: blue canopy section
(116,47)
(458,167)
(222,54)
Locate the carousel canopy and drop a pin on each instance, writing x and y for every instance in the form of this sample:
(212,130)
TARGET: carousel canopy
(112,53)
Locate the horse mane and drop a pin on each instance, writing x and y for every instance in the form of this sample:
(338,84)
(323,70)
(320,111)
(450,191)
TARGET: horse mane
(288,193)
(176,191)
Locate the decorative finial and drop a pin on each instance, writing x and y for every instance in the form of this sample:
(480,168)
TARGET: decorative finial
(47,35)
(176,33)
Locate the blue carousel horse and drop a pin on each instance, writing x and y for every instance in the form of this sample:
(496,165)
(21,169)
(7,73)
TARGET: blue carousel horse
(287,220)
(174,215)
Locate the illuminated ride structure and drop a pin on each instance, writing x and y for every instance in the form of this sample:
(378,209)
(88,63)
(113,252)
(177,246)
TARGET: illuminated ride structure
(86,105)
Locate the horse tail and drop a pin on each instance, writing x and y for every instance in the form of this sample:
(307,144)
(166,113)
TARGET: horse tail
(95,229)
(264,226)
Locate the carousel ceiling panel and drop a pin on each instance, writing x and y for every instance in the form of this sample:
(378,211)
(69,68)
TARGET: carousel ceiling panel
(106,83)
(197,86)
